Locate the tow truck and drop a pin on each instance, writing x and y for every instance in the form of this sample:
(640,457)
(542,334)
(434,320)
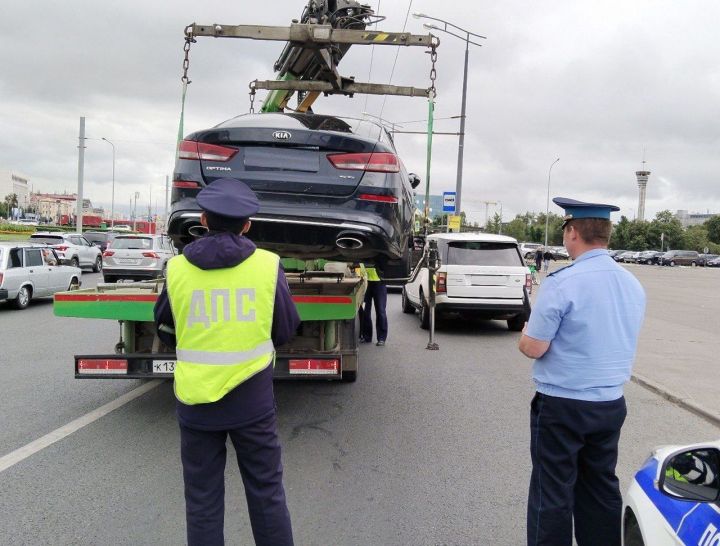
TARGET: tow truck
(328,297)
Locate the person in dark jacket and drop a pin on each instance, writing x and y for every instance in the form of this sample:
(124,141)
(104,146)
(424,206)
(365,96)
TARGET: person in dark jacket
(207,336)
(547,256)
(538,258)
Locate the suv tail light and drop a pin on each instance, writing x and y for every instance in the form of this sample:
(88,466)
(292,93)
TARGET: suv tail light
(189,149)
(1,279)
(379,162)
(441,283)
(108,253)
(528,282)
(150,254)
(61,248)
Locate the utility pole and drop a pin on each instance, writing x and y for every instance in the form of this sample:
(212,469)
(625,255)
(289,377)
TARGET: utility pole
(81,174)
(137,194)
(487,203)
(167,183)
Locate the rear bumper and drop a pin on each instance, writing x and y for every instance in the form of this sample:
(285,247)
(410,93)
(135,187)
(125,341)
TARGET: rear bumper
(132,273)
(487,308)
(3,294)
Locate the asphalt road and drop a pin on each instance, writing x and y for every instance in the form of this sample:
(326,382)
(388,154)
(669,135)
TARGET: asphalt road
(426,448)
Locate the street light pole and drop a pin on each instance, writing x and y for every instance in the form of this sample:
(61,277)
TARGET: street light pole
(461,142)
(547,205)
(112,195)
(137,194)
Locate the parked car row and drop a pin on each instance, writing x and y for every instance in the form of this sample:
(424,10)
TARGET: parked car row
(670,258)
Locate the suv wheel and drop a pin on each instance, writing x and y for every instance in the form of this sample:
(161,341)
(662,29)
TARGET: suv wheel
(74,262)
(672,263)
(97,266)
(406,305)
(693,264)
(22,300)
(517,323)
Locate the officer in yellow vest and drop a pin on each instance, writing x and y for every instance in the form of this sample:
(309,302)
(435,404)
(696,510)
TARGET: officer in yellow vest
(229,306)
(376,292)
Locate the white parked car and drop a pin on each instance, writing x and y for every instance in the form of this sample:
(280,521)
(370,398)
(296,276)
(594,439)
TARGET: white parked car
(527,250)
(481,275)
(72,248)
(137,257)
(29,271)
(674,497)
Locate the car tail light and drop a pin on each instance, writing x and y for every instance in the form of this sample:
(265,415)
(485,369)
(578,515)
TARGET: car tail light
(1,279)
(379,198)
(150,255)
(528,282)
(441,283)
(380,162)
(108,253)
(185,184)
(189,149)
(61,248)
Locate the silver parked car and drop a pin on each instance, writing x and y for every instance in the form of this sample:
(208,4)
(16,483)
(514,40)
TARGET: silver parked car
(29,271)
(137,257)
(72,248)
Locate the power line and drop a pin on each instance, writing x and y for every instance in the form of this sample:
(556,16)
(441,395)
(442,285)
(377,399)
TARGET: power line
(397,52)
(372,54)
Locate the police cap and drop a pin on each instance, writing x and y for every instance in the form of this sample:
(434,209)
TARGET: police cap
(575,210)
(228,197)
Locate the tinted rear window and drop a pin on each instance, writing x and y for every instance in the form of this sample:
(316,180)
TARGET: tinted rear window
(142,243)
(96,237)
(483,253)
(49,239)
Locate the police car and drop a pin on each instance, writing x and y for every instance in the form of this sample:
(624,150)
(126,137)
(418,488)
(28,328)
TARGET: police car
(675,498)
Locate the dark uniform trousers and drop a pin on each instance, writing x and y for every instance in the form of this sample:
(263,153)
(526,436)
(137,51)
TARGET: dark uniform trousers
(258,454)
(376,292)
(574,449)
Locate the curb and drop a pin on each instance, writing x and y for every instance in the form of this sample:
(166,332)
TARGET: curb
(686,403)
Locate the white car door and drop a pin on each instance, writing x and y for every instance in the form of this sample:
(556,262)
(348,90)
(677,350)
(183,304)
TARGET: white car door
(59,279)
(37,272)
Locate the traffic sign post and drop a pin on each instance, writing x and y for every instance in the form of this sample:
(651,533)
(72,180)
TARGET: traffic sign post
(449,201)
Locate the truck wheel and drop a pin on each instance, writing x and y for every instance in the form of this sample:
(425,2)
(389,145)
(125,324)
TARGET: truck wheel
(517,323)
(97,266)
(407,307)
(424,313)
(22,300)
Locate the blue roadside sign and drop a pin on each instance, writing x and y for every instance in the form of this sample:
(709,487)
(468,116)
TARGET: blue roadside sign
(449,201)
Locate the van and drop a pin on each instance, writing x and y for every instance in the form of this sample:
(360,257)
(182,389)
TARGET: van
(680,257)
(480,276)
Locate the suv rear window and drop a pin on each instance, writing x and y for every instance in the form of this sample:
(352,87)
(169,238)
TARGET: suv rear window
(482,253)
(142,243)
(49,239)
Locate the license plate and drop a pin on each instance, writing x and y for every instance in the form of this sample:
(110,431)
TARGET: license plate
(126,261)
(163,366)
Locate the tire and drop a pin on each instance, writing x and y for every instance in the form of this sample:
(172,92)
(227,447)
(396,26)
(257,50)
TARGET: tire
(672,263)
(407,307)
(424,313)
(395,269)
(74,262)
(74,284)
(632,534)
(22,300)
(97,266)
(163,273)
(693,264)
(517,323)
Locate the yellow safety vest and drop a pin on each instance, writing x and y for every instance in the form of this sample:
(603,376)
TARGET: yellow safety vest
(223,322)
(372,274)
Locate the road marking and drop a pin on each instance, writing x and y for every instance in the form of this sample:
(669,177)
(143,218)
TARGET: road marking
(58,434)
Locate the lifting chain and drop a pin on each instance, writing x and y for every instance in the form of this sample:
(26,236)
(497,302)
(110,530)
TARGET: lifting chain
(252,96)
(433,71)
(189,39)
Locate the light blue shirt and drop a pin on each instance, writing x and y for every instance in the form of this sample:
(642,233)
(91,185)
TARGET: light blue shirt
(591,313)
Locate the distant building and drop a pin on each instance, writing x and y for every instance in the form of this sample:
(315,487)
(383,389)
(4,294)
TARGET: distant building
(51,206)
(436,205)
(694,218)
(14,182)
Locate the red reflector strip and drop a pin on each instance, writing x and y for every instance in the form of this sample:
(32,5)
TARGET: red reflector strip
(106,297)
(380,198)
(100,365)
(185,184)
(322,299)
(314,367)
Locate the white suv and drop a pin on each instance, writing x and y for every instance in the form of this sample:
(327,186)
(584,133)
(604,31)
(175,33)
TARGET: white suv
(72,248)
(480,275)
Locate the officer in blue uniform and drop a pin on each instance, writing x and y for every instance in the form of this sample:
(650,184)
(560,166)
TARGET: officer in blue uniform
(225,306)
(583,334)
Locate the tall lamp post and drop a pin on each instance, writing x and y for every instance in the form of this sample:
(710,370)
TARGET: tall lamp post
(137,194)
(461,143)
(112,195)
(547,205)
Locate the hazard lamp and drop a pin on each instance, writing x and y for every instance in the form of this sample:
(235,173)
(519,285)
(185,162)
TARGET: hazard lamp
(97,366)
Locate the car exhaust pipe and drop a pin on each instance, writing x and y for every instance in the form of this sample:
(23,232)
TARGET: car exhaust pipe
(197,231)
(350,242)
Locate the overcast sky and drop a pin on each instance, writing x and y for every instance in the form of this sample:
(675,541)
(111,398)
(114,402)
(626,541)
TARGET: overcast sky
(591,82)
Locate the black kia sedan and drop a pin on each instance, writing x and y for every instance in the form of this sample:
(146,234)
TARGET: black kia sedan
(329,187)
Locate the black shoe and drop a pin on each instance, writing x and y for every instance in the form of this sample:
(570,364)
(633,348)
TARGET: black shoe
(380,344)
(363,340)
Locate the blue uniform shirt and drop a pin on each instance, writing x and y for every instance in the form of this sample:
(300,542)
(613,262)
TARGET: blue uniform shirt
(591,313)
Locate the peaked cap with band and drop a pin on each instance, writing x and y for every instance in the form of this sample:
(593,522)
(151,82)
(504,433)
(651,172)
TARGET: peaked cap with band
(575,210)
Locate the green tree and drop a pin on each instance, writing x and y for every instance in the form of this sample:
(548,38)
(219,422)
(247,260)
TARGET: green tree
(713,229)
(493,225)
(517,228)
(666,223)
(696,238)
